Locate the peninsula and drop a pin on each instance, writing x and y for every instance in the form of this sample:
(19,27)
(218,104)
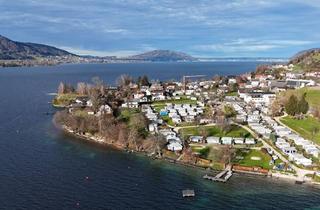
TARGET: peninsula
(265,122)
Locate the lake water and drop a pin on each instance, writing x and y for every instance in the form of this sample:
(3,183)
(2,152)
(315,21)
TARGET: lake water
(41,168)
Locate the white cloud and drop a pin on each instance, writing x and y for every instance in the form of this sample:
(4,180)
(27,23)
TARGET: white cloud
(115,31)
(81,51)
(250,45)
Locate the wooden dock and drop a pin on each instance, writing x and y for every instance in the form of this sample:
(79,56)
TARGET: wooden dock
(223,176)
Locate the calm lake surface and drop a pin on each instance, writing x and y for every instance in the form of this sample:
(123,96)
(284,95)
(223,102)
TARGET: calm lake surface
(41,168)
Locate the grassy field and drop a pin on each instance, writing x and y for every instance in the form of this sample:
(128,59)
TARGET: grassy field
(304,127)
(248,161)
(236,131)
(313,95)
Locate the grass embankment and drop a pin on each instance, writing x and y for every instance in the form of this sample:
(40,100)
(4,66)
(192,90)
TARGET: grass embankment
(235,131)
(316,179)
(63,100)
(305,127)
(253,158)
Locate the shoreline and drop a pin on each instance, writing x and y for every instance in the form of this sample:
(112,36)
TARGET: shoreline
(272,175)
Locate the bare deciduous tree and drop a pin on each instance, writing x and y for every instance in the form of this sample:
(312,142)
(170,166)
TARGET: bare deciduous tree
(82,88)
(61,88)
(124,80)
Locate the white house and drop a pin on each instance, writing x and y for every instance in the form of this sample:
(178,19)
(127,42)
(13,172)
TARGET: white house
(89,103)
(174,139)
(213,140)
(312,150)
(255,83)
(253,118)
(259,97)
(196,139)
(226,140)
(166,132)
(153,127)
(170,136)
(174,146)
(300,159)
(282,131)
(130,104)
(250,141)
(232,81)
(238,140)
(105,109)
(282,145)
(176,119)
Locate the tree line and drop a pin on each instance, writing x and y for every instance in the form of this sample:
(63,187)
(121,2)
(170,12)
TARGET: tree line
(297,105)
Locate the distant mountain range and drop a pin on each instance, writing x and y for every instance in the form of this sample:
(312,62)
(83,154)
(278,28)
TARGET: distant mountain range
(162,55)
(307,60)
(12,50)
(13,53)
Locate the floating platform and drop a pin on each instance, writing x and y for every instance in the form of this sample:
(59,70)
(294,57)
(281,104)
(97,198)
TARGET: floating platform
(188,193)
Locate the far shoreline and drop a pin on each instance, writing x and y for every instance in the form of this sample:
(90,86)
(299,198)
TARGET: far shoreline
(259,61)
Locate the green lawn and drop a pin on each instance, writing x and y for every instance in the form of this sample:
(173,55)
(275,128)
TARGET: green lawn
(235,131)
(196,147)
(168,120)
(126,114)
(313,95)
(248,161)
(304,127)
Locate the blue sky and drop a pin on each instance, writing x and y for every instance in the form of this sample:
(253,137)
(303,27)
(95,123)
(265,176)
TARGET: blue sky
(202,28)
